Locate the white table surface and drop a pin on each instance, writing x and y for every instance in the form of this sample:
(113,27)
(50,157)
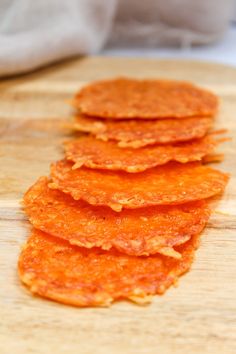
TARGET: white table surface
(223,51)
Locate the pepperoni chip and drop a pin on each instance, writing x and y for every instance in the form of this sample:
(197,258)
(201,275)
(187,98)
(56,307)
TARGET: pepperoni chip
(173,183)
(131,98)
(54,269)
(137,232)
(138,133)
(90,152)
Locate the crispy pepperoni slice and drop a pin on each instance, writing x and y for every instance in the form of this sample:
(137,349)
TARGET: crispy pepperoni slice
(90,152)
(131,98)
(136,232)
(54,269)
(138,133)
(170,184)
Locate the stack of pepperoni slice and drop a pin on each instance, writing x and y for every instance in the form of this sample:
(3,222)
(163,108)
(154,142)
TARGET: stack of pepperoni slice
(121,215)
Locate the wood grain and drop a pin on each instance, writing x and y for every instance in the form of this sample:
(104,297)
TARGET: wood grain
(197,317)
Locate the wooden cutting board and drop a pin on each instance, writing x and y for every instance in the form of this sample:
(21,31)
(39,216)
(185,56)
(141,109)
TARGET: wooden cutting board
(197,317)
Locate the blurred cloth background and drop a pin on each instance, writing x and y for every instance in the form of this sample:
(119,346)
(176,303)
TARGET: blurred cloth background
(35,33)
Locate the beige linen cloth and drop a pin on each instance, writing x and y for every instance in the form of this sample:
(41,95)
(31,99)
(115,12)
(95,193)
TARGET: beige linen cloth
(37,32)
